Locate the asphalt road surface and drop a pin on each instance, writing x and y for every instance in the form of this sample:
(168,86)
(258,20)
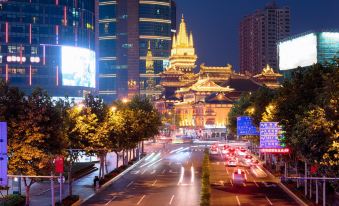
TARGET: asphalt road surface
(170,176)
(257,190)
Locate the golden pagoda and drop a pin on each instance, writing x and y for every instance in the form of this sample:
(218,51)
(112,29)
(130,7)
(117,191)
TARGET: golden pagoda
(150,69)
(183,55)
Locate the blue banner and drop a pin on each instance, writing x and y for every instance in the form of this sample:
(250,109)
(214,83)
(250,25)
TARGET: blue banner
(245,126)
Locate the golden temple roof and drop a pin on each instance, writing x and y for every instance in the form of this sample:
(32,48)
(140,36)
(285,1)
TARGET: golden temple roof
(268,72)
(211,69)
(205,85)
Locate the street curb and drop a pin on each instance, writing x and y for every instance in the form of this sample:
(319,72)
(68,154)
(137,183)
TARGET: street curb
(288,191)
(103,187)
(294,196)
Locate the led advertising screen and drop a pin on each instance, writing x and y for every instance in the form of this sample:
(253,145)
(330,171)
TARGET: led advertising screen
(78,67)
(301,51)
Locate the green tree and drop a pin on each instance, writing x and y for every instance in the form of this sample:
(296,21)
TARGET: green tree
(35,139)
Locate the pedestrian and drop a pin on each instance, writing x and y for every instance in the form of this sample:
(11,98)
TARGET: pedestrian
(95,181)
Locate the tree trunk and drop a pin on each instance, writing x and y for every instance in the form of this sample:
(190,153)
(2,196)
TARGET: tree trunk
(27,189)
(70,181)
(106,167)
(123,157)
(117,160)
(142,147)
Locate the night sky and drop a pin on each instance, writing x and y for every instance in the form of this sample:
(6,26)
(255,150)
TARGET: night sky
(215,23)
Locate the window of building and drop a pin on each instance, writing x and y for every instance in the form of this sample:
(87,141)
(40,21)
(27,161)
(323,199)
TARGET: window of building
(34,50)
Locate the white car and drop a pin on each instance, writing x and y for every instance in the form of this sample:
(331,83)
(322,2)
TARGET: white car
(232,163)
(239,177)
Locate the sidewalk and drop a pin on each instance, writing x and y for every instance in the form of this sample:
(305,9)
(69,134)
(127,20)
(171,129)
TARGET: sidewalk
(40,192)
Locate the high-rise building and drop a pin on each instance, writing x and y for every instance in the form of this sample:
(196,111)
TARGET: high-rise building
(127,29)
(259,34)
(49,44)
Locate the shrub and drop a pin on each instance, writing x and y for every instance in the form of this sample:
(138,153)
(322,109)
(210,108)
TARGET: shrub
(13,200)
(205,183)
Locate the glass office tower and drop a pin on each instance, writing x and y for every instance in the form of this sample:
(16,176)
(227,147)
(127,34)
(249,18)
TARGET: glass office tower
(127,27)
(49,44)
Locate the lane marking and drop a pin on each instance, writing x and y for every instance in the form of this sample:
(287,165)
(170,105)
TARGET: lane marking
(227,171)
(231,182)
(141,199)
(255,183)
(169,164)
(170,202)
(144,171)
(268,200)
(238,201)
(129,184)
(154,182)
(113,198)
(154,171)
(244,184)
(192,174)
(163,172)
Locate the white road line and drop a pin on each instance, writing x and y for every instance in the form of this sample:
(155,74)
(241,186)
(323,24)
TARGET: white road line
(141,199)
(169,164)
(268,200)
(154,182)
(244,184)
(144,171)
(113,198)
(255,182)
(170,202)
(227,171)
(231,182)
(238,201)
(153,172)
(163,172)
(129,184)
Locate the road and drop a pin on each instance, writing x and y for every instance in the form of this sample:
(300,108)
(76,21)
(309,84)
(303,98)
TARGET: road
(170,176)
(255,191)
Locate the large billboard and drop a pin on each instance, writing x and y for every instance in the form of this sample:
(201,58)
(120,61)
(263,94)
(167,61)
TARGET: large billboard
(270,135)
(78,66)
(300,51)
(245,126)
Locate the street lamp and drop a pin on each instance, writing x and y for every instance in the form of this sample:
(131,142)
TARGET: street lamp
(113,109)
(125,100)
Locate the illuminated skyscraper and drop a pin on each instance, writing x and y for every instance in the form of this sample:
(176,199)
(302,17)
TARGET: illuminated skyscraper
(259,34)
(49,44)
(126,27)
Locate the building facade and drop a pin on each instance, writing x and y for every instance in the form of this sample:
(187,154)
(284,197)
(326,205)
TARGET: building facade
(127,29)
(259,34)
(308,48)
(49,44)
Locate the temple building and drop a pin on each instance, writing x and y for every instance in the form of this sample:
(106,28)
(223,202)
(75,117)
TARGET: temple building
(201,101)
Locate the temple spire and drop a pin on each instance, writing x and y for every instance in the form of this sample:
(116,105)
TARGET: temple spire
(191,43)
(174,42)
(182,38)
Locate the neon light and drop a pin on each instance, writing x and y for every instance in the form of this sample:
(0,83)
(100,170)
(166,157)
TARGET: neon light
(30,33)
(21,54)
(65,17)
(57,75)
(30,75)
(6,32)
(6,72)
(57,34)
(44,55)
(275,150)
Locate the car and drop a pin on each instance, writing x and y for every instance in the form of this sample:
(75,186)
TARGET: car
(239,176)
(232,163)
(248,157)
(213,149)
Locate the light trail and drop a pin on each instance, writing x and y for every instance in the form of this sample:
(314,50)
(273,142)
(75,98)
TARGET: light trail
(181,175)
(192,174)
(170,202)
(141,199)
